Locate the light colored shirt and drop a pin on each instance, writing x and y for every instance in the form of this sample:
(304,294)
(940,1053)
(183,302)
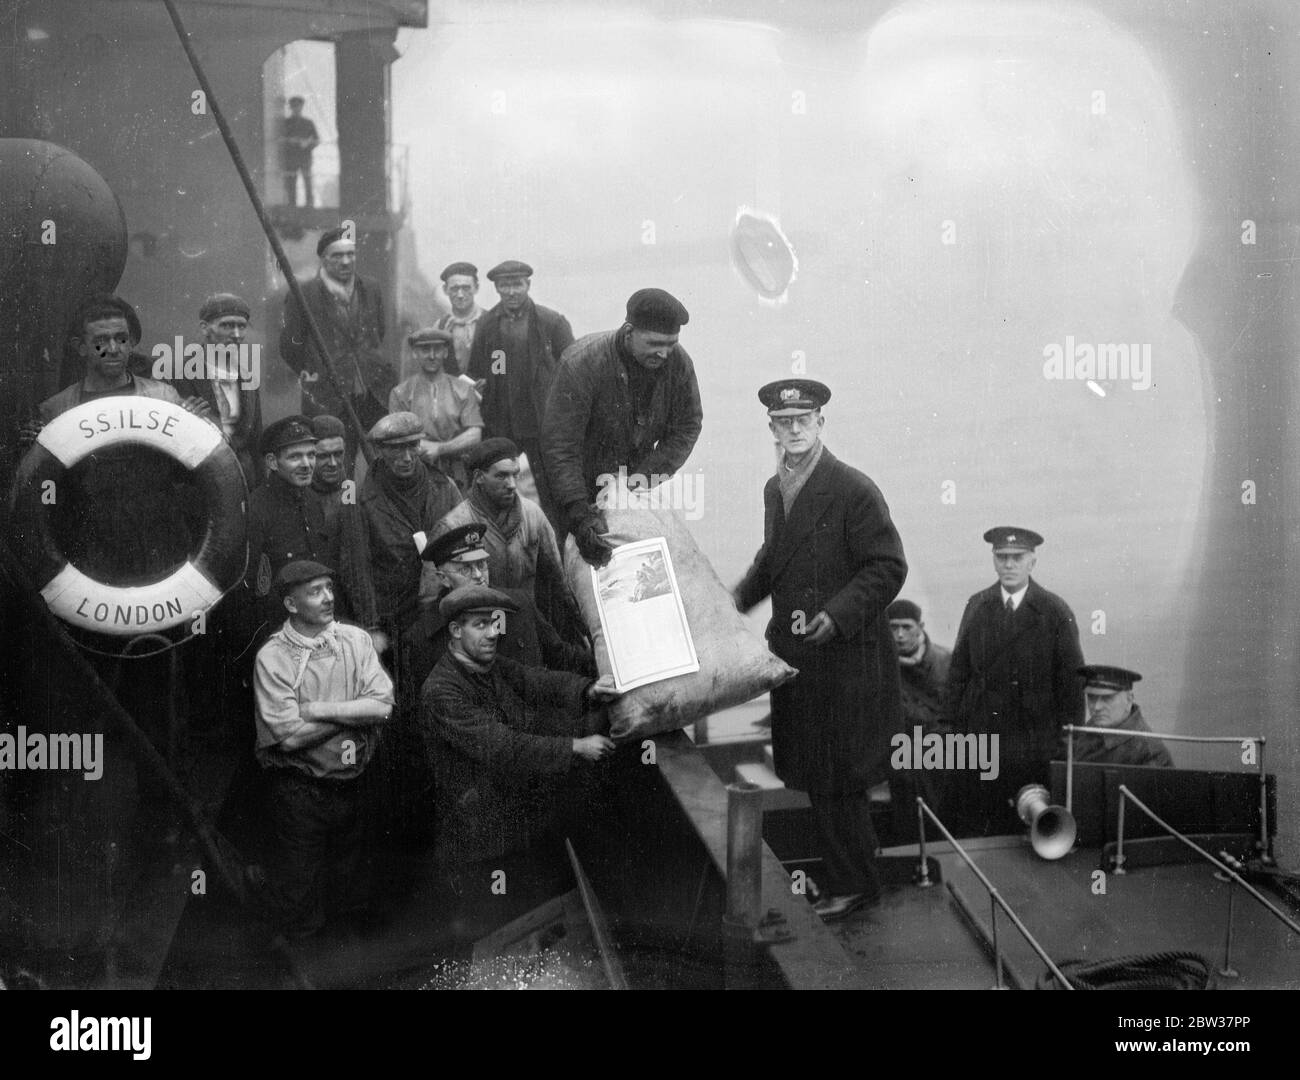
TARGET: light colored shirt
(1016,598)
(462,332)
(339,664)
(446,404)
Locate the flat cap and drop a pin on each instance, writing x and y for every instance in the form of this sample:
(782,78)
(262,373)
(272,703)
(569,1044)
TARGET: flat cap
(221,304)
(903,609)
(289,431)
(428,334)
(397,428)
(331,236)
(461,544)
(656,310)
(110,301)
(790,397)
(327,427)
(299,572)
(474,598)
(467,268)
(488,452)
(1011,538)
(510,268)
(1104,677)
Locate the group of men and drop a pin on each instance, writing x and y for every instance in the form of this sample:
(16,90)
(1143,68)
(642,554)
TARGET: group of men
(417,646)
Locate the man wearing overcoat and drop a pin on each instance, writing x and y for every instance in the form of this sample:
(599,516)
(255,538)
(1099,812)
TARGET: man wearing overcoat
(831,561)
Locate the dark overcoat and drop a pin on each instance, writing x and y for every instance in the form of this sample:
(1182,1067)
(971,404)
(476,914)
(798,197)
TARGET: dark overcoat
(838,552)
(498,742)
(1019,681)
(519,391)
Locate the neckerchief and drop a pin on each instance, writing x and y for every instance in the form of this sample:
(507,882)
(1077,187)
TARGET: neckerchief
(304,648)
(916,657)
(792,478)
(507,521)
(410,496)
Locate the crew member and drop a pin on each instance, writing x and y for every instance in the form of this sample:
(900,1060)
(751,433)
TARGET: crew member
(349,311)
(1014,674)
(1108,695)
(831,561)
(298,138)
(923,673)
(501,737)
(400,498)
(624,399)
(460,284)
(322,696)
(446,403)
(516,348)
(459,558)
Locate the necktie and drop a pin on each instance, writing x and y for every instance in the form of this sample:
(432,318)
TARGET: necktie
(1008,618)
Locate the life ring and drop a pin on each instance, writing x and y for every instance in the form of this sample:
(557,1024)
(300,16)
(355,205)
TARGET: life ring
(102,608)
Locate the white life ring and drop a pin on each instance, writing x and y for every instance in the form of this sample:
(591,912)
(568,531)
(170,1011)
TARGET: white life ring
(131,611)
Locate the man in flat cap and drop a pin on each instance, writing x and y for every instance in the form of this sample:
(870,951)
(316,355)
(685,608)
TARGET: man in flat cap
(1014,673)
(624,399)
(322,696)
(521,545)
(350,313)
(401,499)
(458,557)
(346,539)
(1108,697)
(513,357)
(446,403)
(923,675)
(222,393)
(832,562)
(501,737)
(460,284)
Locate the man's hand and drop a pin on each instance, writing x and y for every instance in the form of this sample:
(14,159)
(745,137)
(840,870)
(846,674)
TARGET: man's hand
(603,689)
(379,640)
(28,432)
(429,450)
(595,548)
(198,407)
(593,747)
(820,629)
(307,711)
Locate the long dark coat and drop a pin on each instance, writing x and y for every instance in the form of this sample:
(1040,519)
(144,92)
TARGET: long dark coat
(522,387)
(1022,684)
(498,742)
(838,552)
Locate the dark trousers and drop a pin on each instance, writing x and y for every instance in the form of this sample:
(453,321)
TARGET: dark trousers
(291,184)
(848,842)
(318,828)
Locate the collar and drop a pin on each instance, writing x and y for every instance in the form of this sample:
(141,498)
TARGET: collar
(336,289)
(1016,598)
(918,656)
(804,467)
(468,664)
(281,487)
(456,320)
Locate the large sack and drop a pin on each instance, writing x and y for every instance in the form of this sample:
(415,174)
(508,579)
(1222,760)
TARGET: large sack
(735,664)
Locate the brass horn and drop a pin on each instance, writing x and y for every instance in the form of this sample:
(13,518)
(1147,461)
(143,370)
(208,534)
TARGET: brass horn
(1052,829)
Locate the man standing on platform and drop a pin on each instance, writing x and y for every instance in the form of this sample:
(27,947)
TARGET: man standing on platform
(516,348)
(624,399)
(1014,674)
(831,561)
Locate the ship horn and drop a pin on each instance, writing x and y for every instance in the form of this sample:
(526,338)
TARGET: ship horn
(1052,829)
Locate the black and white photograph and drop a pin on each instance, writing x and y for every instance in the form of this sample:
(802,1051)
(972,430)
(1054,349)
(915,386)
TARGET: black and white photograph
(951,344)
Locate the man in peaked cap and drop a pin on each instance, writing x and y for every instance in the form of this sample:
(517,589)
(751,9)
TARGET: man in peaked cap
(624,410)
(501,738)
(832,562)
(1014,674)
(513,358)
(321,696)
(460,284)
(349,310)
(447,404)
(1108,696)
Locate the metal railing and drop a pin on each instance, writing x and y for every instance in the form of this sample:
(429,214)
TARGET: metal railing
(1264,846)
(923,880)
(1227,865)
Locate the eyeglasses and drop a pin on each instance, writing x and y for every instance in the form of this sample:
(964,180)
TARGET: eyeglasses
(789,423)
